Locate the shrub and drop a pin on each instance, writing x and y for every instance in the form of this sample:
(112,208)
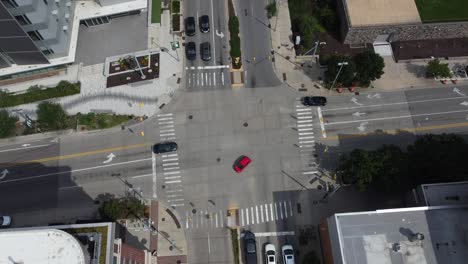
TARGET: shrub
(34,94)
(7,123)
(51,116)
(176,22)
(233,26)
(175,7)
(271,9)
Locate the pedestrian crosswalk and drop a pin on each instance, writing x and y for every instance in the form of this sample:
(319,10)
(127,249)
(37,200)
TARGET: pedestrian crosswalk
(206,78)
(258,214)
(306,137)
(172,178)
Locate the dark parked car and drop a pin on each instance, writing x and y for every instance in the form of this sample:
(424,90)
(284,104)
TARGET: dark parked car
(190,26)
(204,24)
(250,248)
(164,147)
(205,51)
(314,101)
(191,51)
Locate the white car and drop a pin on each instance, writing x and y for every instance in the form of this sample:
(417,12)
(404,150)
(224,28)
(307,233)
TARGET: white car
(270,254)
(5,221)
(288,254)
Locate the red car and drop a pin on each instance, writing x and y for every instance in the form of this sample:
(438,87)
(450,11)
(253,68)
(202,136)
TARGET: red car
(241,163)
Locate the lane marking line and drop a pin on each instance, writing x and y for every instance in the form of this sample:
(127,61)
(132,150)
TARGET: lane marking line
(322,125)
(71,171)
(22,148)
(268,234)
(141,176)
(176,181)
(398,103)
(171,168)
(396,117)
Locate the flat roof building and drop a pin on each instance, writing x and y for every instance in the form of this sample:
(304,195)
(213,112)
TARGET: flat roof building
(400,236)
(51,246)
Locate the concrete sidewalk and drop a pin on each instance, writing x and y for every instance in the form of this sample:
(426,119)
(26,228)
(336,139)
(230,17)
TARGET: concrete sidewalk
(142,98)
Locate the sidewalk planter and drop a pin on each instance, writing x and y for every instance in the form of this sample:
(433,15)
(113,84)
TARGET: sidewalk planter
(176,23)
(443,81)
(340,90)
(352,89)
(454,81)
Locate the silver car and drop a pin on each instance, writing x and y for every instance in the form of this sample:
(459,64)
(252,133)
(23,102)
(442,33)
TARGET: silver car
(288,254)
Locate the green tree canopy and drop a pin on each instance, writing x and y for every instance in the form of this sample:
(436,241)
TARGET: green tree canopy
(431,159)
(369,67)
(7,123)
(435,69)
(51,116)
(121,208)
(346,76)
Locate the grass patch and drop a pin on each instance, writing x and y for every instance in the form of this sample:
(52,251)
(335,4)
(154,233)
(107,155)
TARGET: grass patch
(98,121)
(442,11)
(235,245)
(37,93)
(156,11)
(175,7)
(234,42)
(101,230)
(176,22)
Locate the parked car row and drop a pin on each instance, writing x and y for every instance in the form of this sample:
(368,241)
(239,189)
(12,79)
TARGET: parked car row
(250,251)
(203,21)
(205,51)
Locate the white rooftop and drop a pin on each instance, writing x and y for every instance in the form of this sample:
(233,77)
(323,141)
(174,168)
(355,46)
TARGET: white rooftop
(46,246)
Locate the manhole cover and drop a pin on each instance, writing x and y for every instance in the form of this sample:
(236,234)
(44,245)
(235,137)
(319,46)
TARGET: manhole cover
(246,124)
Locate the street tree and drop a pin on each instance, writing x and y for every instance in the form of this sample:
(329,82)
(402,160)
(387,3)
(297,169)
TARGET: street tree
(438,158)
(435,69)
(122,208)
(345,77)
(369,67)
(360,168)
(7,123)
(51,116)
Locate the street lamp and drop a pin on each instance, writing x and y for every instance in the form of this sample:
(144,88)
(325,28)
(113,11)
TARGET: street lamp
(341,64)
(317,44)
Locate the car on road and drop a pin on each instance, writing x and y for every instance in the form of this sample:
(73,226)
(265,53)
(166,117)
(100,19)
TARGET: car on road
(204,22)
(205,51)
(5,221)
(164,147)
(314,101)
(191,51)
(250,248)
(270,254)
(190,26)
(288,254)
(241,163)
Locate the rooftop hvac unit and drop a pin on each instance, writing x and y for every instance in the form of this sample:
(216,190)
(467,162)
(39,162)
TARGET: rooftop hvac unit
(57,1)
(55,12)
(68,4)
(67,15)
(65,28)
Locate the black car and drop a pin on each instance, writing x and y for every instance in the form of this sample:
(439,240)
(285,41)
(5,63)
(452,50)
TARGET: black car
(164,147)
(250,248)
(314,101)
(205,51)
(190,26)
(191,51)
(204,24)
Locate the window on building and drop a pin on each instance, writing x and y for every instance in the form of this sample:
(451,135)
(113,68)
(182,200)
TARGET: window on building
(47,51)
(35,35)
(10,3)
(23,20)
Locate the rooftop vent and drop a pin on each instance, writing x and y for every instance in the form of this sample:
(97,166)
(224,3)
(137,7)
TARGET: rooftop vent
(417,237)
(396,247)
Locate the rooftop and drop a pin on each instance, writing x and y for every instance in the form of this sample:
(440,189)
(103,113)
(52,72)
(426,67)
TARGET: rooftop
(42,246)
(390,236)
(381,12)
(454,193)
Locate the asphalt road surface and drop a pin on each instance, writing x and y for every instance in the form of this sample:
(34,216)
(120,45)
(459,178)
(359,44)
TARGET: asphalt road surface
(256,44)
(212,74)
